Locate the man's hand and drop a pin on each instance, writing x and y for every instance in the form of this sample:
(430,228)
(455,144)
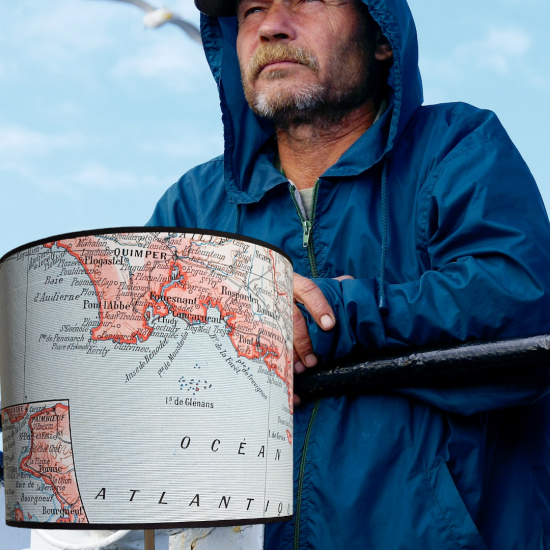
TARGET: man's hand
(307,293)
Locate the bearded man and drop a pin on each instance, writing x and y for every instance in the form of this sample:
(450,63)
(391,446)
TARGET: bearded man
(408,225)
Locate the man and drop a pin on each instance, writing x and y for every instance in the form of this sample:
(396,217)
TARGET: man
(422,225)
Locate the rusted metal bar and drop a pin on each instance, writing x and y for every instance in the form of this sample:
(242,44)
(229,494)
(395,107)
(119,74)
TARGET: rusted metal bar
(503,362)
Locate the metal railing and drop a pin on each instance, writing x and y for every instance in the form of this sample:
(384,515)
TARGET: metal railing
(503,363)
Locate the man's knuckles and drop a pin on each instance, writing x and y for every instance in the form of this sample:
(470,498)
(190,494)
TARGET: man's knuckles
(305,287)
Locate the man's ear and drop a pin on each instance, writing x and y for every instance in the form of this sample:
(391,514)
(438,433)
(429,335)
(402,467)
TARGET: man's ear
(383,50)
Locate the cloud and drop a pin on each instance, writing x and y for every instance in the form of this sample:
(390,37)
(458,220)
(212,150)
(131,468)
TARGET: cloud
(176,62)
(99,177)
(33,156)
(62,31)
(17,142)
(187,10)
(92,177)
(23,151)
(501,51)
(198,147)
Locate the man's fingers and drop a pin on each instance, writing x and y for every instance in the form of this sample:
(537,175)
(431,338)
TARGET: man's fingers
(302,341)
(298,365)
(306,292)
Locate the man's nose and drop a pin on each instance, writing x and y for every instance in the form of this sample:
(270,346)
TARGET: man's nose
(277,24)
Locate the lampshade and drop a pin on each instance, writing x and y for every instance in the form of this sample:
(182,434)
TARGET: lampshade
(146,380)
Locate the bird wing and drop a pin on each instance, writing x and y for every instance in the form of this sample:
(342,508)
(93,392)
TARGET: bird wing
(140,4)
(189,28)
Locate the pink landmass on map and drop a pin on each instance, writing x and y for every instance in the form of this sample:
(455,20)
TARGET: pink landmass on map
(16,413)
(19,515)
(50,458)
(185,285)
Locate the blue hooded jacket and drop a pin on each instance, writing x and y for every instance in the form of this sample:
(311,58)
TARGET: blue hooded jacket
(436,215)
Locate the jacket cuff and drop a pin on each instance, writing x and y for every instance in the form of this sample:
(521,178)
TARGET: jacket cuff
(352,313)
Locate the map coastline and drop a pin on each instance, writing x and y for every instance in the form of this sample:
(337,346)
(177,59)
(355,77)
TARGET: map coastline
(174,352)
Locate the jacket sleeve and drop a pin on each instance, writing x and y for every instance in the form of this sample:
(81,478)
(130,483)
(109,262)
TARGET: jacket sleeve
(486,235)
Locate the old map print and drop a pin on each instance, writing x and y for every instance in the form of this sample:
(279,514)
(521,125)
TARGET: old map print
(39,435)
(147,377)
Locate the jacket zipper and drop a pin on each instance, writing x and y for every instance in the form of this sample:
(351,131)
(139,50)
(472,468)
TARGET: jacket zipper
(307,241)
(307,227)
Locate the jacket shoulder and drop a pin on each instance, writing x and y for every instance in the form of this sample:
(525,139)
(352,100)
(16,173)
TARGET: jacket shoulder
(467,169)
(206,175)
(453,133)
(455,127)
(197,190)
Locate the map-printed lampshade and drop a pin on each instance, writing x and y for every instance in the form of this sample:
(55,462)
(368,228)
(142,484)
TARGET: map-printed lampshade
(146,380)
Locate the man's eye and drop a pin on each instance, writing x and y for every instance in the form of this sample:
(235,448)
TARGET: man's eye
(250,11)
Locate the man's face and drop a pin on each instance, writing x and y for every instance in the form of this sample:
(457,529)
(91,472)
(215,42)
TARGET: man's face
(301,59)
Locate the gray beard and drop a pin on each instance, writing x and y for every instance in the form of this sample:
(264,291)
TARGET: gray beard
(311,105)
(297,104)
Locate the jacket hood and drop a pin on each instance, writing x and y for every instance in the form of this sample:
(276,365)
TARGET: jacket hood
(248,165)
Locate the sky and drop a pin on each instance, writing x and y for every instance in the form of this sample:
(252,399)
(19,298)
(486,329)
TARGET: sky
(99,116)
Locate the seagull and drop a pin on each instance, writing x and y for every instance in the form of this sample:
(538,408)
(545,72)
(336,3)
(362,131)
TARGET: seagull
(156,17)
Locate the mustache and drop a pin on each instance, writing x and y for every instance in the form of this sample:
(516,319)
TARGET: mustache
(276,53)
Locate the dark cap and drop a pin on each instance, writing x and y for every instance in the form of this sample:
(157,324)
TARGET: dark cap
(217,8)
